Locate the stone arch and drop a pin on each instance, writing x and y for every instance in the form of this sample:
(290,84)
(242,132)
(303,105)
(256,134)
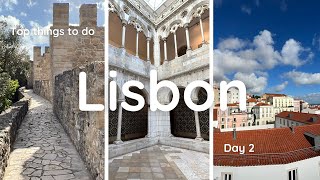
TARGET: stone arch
(114,7)
(138,25)
(203,5)
(115,31)
(175,24)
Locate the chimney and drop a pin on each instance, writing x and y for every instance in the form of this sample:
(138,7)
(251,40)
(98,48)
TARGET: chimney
(234,134)
(292,129)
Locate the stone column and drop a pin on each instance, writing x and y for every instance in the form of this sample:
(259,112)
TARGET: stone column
(118,140)
(202,34)
(137,44)
(165,50)
(148,49)
(175,44)
(186,26)
(156,51)
(124,24)
(196,117)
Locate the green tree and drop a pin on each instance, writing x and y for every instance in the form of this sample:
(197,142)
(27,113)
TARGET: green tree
(14,65)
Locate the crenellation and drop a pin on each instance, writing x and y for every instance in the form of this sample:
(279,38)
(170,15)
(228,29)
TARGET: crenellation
(61,14)
(56,72)
(88,15)
(36,51)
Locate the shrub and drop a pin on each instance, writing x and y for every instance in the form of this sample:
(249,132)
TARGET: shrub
(8,88)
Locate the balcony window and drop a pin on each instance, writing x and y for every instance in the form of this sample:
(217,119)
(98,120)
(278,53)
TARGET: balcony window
(293,174)
(226,176)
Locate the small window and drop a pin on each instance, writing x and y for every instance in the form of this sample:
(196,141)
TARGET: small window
(226,176)
(222,126)
(293,174)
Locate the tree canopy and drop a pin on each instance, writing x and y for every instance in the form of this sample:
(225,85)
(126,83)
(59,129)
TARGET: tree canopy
(14,65)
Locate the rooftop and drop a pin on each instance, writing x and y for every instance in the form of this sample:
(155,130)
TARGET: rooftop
(300,117)
(272,146)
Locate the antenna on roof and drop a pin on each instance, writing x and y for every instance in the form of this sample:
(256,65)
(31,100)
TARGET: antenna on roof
(234,134)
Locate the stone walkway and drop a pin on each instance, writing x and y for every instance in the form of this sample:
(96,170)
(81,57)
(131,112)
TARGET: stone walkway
(160,162)
(42,150)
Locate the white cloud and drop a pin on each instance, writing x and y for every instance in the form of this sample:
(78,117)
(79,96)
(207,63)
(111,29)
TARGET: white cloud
(291,53)
(280,87)
(254,84)
(236,55)
(7,4)
(246,9)
(231,44)
(316,41)
(302,78)
(23,14)
(312,98)
(31,3)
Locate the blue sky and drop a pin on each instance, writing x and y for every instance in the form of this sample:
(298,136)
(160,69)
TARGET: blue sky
(271,45)
(38,13)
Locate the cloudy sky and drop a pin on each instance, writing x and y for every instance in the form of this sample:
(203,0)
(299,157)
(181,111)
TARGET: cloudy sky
(270,45)
(38,13)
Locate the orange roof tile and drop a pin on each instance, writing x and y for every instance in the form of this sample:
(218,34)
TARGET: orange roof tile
(251,100)
(271,146)
(300,117)
(262,104)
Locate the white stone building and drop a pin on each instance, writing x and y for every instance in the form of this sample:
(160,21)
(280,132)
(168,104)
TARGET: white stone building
(263,113)
(291,119)
(171,37)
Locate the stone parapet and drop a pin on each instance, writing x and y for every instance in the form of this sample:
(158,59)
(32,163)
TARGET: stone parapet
(195,60)
(10,121)
(85,129)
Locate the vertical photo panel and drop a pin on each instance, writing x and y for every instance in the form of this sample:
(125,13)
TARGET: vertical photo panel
(155,50)
(266,84)
(52,89)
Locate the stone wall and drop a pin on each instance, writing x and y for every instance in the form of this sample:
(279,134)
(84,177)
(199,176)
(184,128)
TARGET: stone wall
(86,129)
(42,73)
(10,121)
(71,51)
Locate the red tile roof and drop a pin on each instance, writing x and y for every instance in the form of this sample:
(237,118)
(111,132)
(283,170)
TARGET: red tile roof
(231,104)
(275,95)
(300,117)
(251,100)
(262,104)
(271,146)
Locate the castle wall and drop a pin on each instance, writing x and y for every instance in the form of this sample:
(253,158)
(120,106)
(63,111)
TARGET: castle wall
(42,83)
(69,51)
(86,129)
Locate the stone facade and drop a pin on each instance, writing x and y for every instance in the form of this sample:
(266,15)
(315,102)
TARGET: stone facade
(67,52)
(42,83)
(182,127)
(56,78)
(10,121)
(86,129)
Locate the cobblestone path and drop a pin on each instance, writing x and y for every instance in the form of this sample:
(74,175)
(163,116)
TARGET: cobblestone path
(42,150)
